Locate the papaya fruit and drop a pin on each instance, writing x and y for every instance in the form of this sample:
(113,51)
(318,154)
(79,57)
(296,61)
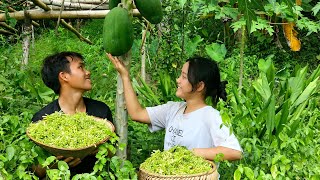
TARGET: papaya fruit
(113,3)
(150,9)
(117,32)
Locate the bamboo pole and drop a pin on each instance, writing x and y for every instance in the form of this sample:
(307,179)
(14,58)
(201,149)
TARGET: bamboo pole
(13,10)
(40,14)
(87,1)
(75,5)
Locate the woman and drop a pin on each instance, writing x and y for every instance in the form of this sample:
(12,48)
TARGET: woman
(191,123)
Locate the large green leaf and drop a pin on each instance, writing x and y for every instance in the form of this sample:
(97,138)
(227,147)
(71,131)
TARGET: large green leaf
(284,117)
(270,119)
(261,85)
(315,74)
(216,51)
(296,84)
(307,92)
(295,119)
(268,68)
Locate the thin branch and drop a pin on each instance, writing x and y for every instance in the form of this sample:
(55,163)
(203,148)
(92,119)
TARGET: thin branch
(2,31)
(144,36)
(41,5)
(2,24)
(58,22)
(72,29)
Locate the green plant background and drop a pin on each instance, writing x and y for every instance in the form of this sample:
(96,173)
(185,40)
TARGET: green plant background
(280,139)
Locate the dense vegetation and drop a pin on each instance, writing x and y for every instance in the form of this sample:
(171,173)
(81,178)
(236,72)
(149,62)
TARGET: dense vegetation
(274,113)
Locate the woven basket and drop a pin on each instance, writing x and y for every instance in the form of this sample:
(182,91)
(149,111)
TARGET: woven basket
(75,152)
(210,175)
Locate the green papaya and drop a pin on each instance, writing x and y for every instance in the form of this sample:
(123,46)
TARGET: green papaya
(113,3)
(150,9)
(117,32)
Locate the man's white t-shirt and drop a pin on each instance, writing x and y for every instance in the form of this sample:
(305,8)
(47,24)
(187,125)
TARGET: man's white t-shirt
(202,128)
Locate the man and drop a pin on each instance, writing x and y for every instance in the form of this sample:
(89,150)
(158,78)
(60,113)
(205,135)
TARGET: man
(66,75)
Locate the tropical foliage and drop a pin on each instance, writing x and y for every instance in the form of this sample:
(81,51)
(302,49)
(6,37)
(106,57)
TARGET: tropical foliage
(274,112)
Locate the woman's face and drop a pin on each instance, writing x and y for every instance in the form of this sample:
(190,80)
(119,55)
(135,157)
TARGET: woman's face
(184,87)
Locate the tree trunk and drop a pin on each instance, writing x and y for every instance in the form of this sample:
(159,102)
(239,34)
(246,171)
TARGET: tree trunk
(26,31)
(121,121)
(121,118)
(242,45)
(143,52)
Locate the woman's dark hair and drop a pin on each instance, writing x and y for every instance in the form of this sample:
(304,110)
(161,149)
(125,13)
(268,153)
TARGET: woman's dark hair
(53,65)
(207,71)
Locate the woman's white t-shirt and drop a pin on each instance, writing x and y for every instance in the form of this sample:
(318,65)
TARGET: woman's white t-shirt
(202,128)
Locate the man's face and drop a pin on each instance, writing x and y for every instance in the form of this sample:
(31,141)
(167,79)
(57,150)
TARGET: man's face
(79,77)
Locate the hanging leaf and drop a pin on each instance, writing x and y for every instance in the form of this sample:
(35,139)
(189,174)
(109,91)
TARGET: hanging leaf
(182,3)
(246,8)
(316,9)
(291,36)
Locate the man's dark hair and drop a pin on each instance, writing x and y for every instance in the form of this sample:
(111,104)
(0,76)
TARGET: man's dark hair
(53,65)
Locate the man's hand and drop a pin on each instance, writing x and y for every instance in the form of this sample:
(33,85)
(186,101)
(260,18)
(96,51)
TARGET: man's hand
(71,161)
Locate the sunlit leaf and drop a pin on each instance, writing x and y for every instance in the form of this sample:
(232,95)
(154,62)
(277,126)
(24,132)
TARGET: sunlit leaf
(216,51)
(249,173)
(10,152)
(237,175)
(316,9)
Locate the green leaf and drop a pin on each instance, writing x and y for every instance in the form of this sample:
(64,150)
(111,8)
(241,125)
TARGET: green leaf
(274,171)
(48,161)
(316,9)
(284,117)
(308,91)
(63,166)
(247,9)
(249,173)
(237,175)
(295,119)
(216,51)
(270,115)
(10,151)
(192,45)
(261,85)
(238,24)
(182,3)
(296,84)
(290,3)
